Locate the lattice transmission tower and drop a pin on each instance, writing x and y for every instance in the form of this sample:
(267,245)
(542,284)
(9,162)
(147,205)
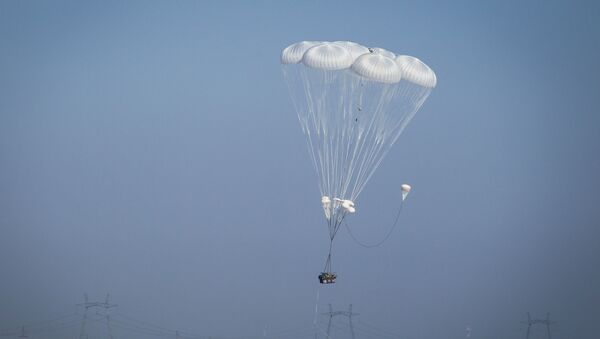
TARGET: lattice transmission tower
(333,313)
(23,333)
(531,322)
(90,305)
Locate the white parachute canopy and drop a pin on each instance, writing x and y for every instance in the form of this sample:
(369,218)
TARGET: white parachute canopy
(353,103)
(405,188)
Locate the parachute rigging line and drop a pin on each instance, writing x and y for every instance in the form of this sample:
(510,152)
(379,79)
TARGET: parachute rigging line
(378,244)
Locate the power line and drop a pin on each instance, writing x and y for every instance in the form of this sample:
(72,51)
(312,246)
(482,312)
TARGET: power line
(121,322)
(32,326)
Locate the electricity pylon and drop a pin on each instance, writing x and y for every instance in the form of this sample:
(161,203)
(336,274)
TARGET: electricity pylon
(23,333)
(348,314)
(95,305)
(546,322)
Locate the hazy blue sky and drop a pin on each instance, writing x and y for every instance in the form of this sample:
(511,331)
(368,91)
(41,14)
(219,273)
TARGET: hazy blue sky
(150,149)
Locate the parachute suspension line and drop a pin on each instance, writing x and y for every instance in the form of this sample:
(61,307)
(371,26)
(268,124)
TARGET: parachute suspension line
(415,97)
(346,157)
(324,113)
(348,143)
(364,150)
(327,267)
(359,146)
(334,223)
(376,142)
(341,140)
(297,80)
(321,130)
(329,80)
(331,225)
(412,98)
(380,145)
(311,118)
(382,241)
(335,139)
(338,224)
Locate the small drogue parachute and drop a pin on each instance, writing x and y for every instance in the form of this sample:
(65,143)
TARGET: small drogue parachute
(353,102)
(405,188)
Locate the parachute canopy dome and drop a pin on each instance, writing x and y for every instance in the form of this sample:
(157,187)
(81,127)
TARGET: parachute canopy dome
(353,102)
(372,63)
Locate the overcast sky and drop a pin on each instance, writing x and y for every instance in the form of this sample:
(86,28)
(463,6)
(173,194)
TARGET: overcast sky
(149,149)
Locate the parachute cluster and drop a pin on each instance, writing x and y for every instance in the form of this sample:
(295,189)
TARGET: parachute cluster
(353,102)
(375,64)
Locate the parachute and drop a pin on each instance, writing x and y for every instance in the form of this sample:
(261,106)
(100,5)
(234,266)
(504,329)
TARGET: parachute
(353,103)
